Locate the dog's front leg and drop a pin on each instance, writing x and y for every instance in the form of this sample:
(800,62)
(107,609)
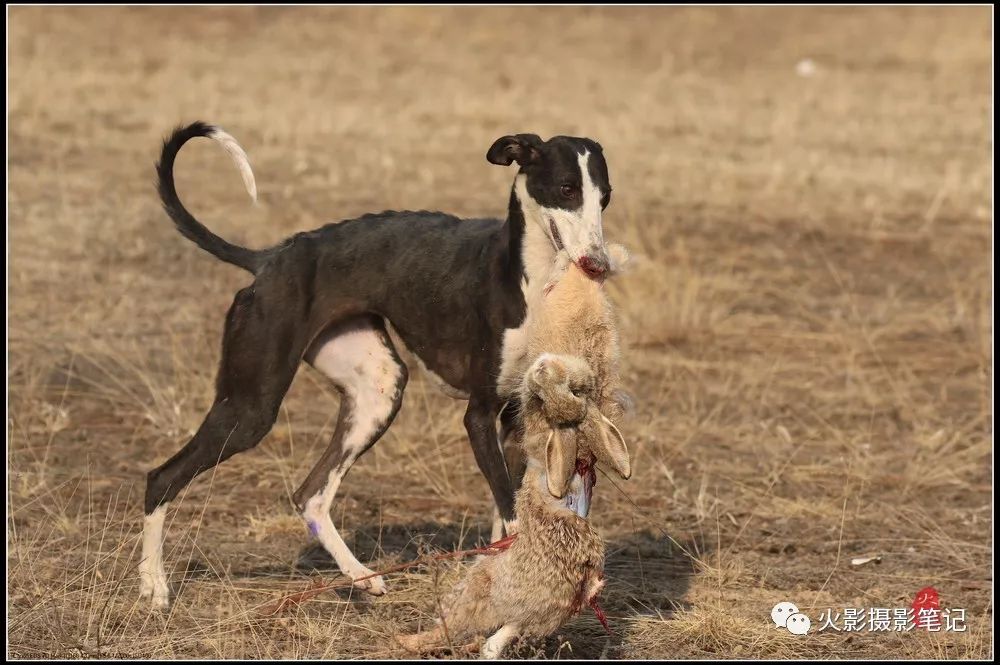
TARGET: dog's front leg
(480,423)
(511,431)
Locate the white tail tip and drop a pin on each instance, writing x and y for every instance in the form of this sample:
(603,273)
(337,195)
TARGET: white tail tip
(239,157)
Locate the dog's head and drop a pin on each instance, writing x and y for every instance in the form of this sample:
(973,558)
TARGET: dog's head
(563,187)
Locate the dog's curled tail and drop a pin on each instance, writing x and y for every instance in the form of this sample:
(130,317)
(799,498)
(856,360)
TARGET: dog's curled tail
(191,228)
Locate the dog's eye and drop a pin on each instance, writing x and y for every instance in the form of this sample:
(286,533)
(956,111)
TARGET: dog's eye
(568,190)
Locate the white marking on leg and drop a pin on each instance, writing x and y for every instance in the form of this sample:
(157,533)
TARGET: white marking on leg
(497,531)
(498,641)
(355,357)
(152,578)
(317,516)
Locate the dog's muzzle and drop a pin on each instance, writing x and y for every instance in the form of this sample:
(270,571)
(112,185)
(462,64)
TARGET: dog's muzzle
(594,267)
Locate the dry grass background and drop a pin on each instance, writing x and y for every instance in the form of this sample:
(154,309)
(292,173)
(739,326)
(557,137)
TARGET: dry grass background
(807,329)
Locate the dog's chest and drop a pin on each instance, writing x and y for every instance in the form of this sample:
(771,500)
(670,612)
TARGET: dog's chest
(514,346)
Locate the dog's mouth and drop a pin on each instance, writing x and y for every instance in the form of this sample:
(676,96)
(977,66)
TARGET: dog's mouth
(556,238)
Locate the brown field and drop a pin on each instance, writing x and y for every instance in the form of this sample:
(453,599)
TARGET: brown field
(807,328)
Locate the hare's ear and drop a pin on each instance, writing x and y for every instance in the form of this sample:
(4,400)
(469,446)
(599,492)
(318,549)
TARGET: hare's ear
(612,450)
(560,462)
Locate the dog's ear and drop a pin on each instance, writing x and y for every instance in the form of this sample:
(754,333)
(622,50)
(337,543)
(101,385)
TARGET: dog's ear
(560,462)
(611,449)
(524,149)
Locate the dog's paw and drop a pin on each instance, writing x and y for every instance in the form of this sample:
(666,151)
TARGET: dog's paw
(374,586)
(159,597)
(156,589)
(160,601)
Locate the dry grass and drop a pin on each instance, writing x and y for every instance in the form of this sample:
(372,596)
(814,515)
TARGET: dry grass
(808,327)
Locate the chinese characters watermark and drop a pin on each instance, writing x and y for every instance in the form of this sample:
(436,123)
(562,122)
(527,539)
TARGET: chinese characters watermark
(870,619)
(892,619)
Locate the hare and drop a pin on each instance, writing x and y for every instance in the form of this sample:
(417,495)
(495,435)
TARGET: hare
(555,565)
(571,316)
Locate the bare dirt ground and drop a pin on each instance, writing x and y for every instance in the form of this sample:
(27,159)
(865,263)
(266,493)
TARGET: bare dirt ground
(807,328)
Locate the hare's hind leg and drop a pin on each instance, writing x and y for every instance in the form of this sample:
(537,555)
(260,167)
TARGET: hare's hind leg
(423,641)
(433,640)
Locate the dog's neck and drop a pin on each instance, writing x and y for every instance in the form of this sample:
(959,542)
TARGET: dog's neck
(532,252)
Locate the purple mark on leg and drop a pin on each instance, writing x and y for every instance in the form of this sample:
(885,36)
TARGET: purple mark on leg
(314,527)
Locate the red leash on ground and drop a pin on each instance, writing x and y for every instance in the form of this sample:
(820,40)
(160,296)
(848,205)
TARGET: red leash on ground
(313,591)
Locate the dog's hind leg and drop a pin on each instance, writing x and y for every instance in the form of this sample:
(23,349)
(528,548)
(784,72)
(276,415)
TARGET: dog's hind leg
(260,354)
(359,358)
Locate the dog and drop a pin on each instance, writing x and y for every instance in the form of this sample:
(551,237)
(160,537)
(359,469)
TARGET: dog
(452,291)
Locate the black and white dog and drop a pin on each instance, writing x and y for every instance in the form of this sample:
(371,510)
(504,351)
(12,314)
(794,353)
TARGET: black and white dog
(452,291)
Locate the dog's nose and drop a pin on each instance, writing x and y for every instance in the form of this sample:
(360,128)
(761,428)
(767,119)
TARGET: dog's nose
(593,267)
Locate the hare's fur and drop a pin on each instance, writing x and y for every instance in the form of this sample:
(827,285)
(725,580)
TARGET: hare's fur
(555,565)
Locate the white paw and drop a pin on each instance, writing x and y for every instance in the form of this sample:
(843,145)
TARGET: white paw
(372,585)
(155,588)
(161,600)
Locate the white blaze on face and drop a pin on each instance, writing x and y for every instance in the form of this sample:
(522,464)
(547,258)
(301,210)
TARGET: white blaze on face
(581,233)
(579,230)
